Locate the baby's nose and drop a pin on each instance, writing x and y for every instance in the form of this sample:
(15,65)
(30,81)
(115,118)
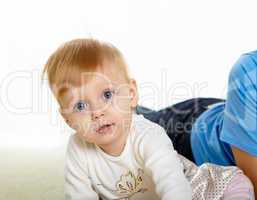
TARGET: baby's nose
(98,111)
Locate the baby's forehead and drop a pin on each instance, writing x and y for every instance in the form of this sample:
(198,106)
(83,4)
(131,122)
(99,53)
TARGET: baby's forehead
(84,88)
(86,80)
(89,83)
(73,91)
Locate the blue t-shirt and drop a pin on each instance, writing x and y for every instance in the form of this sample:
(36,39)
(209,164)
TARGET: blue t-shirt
(233,123)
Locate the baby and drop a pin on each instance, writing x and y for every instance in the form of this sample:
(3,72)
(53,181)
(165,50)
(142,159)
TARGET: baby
(114,154)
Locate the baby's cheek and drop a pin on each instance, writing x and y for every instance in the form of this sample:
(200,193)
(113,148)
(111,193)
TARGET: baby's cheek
(81,124)
(88,134)
(121,105)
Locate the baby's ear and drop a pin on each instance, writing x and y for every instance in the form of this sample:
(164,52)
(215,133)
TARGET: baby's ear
(133,93)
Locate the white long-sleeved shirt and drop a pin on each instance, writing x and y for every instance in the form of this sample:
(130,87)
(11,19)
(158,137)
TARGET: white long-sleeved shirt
(147,169)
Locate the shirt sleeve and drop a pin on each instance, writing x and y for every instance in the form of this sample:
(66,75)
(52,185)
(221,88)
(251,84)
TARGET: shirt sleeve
(161,162)
(239,127)
(77,182)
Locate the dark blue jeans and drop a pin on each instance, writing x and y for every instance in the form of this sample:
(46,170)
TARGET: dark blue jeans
(178,119)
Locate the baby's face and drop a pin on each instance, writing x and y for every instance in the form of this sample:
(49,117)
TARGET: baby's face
(101,109)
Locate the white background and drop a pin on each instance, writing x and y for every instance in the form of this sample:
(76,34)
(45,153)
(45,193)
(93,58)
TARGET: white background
(175,50)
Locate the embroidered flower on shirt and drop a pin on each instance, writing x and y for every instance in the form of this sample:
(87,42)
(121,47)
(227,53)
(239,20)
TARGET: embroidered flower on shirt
(130,184)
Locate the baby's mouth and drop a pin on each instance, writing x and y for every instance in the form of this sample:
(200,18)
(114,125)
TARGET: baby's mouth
(105,128)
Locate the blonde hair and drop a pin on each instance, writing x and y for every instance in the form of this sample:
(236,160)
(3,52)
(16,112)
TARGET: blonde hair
(74,57)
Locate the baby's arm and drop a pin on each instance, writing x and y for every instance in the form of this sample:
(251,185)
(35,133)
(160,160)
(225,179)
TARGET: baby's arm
(77,182)
(163,165)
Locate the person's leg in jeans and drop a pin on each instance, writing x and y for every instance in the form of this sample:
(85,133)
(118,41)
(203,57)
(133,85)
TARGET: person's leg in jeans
(178,119)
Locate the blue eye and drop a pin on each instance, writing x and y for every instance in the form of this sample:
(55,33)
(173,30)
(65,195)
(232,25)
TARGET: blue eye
(108,94)
(80,106)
